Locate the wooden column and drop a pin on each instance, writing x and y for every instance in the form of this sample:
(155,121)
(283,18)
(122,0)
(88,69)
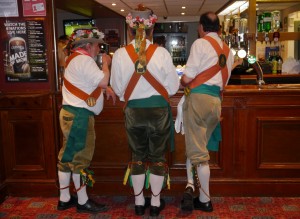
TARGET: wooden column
(252,26)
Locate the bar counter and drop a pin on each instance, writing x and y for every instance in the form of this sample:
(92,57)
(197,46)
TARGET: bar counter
(259,154)
(239,79)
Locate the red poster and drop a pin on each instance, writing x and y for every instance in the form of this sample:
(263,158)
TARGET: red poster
(34,8)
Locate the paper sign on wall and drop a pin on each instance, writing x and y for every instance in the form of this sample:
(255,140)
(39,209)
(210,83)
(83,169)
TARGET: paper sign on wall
(9,8)
(34,8)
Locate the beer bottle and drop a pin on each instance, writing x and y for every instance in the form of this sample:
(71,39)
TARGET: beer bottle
(270,58)
(267,21)
(260,22)
(274,64)
(279,63)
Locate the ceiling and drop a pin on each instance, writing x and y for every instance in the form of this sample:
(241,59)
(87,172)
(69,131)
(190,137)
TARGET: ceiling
(280,5)
(166,10)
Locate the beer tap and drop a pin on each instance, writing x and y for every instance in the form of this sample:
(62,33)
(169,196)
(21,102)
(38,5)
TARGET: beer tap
(257,67)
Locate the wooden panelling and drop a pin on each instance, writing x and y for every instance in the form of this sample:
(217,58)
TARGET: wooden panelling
(221,162)
(278,147)
(3,190)
(259,152)
(111,143)
(28,154)
(28,137)
(246,156)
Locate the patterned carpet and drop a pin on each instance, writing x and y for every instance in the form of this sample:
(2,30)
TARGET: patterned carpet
(122,207)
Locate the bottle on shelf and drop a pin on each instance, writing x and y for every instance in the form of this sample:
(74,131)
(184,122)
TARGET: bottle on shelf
(267,21)
(270,58)
(279,63)
(183,52)
(260,22)
(274,63)
(275,21)
(162,27)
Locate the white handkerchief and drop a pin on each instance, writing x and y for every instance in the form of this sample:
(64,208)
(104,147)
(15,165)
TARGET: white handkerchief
(179,119)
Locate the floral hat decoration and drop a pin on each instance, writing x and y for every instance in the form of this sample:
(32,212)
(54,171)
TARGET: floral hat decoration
(140,19)
(87,35)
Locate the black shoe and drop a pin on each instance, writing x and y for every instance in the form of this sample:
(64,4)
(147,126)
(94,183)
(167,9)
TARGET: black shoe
(66,205)
(91,207)
(154,211)
(187,201)
(203,206)
(140,209)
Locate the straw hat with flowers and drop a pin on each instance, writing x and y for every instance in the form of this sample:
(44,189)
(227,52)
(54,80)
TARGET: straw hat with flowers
(87,35)
(141,19)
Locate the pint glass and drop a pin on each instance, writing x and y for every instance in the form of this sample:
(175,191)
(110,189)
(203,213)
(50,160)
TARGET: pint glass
(18,54)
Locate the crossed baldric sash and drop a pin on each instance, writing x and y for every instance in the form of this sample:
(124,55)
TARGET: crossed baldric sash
(143,72)
(90,99)
(212,71)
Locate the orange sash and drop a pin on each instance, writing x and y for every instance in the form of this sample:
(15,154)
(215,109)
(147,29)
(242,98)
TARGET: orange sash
(90,99)
(147,75)
(212,71)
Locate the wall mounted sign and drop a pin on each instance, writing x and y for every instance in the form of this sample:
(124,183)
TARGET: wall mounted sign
(34,8)
(9,8)
(25,51)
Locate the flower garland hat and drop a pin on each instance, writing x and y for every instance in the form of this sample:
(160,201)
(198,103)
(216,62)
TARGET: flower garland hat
(141,19)
(87,35)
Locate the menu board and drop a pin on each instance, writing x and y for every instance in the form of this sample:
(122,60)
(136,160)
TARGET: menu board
(25,55)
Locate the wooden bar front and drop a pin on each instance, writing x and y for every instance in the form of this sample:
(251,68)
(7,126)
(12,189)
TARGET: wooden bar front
(259,153)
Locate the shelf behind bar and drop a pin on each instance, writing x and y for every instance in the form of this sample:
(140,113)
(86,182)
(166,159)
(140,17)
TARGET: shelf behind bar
(283,36)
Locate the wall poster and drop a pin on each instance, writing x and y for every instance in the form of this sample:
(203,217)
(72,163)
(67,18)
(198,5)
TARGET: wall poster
(34,8)
(25,51)
(9,8)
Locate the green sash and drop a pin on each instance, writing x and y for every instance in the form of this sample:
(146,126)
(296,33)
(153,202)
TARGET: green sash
(155,101)
(216,136)
(77,136)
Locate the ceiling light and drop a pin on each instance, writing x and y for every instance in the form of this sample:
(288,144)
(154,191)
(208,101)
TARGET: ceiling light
(182,13)
(244,7)
(183,7)
(235,8)
(113,4)
(122,10)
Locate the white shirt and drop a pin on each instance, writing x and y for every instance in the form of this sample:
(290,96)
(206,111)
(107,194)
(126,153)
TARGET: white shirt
(203,56)
(160,66)
(84,74)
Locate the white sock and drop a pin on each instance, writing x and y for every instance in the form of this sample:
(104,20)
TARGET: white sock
(189,172)
(204,175)
(64,181)
(156,183)
(82,195)
(138,185)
